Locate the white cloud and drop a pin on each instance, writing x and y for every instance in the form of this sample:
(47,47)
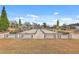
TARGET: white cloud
(65,19)
(56,13)
(77,16)
(30,15)
(27,18)
(16,18)
(22,18)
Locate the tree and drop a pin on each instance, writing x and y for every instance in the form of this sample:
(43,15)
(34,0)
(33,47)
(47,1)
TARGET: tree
(57,27)
(35,25)
(27,25)
(4,22)
(20,22)
(54,26)
(13,24)
(44,25)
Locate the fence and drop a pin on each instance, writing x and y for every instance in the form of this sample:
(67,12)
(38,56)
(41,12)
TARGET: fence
(56,35)
(30,35)
(19,36)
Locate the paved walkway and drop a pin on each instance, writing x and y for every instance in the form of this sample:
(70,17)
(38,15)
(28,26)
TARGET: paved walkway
(39,34)
(30,31)
(47,31)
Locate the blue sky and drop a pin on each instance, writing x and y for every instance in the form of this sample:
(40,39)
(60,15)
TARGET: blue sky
(43,13)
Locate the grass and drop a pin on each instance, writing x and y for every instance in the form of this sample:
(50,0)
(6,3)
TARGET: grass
(43,46)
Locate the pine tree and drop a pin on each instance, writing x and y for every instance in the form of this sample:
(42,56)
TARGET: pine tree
(44,25)
(4,22)
(57,24)
(20,22)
